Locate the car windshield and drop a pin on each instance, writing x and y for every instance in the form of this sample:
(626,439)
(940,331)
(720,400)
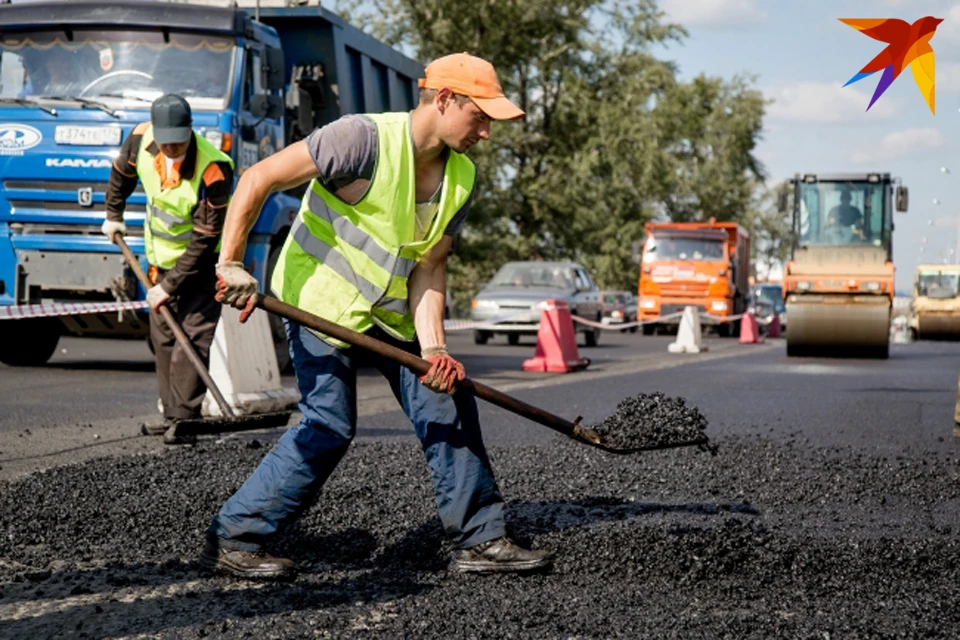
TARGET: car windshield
(534,275)
(117,67)
(842,213)
(676,248)
(938,284)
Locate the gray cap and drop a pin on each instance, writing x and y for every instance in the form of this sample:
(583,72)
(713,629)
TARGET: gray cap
(171,118)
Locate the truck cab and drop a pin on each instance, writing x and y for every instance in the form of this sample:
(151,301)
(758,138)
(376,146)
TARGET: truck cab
(76,78)
(700,264)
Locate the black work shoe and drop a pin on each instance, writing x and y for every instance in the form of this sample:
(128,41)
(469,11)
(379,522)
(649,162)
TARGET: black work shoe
(175,434)
(255,565)
(500,555)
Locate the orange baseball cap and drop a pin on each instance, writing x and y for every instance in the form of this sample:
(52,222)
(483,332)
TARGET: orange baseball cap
(475,78)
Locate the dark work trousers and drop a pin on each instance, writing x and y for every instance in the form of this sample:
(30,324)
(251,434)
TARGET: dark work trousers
(181,387)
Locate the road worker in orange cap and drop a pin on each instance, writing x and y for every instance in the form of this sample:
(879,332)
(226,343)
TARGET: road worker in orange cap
(368,250)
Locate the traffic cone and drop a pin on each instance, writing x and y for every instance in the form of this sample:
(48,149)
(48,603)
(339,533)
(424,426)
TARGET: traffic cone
(689,335)
(774,331)
(556,342)
(749,329)
(243,364)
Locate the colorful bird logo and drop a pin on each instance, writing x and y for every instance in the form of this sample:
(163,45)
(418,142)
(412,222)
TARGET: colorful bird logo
(906,44)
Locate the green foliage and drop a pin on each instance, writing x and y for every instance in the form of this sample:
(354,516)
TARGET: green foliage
(611,139)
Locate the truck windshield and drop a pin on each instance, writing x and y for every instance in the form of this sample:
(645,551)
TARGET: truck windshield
(842,213)
(938,284)
(673,248)
(117,66)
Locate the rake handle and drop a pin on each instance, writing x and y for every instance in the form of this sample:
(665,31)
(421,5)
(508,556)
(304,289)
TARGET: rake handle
(175,327)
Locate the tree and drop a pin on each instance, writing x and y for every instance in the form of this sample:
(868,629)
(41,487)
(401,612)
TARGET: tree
(610,141)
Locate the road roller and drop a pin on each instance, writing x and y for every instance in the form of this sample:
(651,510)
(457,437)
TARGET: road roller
(839,283)
(935,308)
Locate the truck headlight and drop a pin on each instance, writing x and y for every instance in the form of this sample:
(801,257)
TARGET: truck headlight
(803,286)
(718,305)
(484,304)
(648,303)
(218,139)
(870,286)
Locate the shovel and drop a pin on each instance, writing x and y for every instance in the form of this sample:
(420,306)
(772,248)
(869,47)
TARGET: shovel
(230,420)
(420,366)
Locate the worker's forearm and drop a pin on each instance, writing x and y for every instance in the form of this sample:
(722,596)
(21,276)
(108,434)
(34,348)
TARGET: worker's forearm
(427,297)
(244,209)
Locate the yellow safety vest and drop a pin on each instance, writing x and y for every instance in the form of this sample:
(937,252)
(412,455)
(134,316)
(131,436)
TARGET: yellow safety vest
(350,264)
(169,223)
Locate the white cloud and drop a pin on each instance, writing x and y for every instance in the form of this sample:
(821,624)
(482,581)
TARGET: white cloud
(948,77)
(714,13)
(825,103)
(898,144)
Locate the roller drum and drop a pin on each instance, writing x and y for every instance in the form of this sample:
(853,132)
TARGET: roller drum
(939,326)
(839,327)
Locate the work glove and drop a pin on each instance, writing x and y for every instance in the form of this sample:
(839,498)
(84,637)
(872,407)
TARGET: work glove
(156,297)
(445,371)
(111,227)
(236,288)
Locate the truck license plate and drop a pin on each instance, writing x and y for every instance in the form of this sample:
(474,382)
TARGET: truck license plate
(90,136)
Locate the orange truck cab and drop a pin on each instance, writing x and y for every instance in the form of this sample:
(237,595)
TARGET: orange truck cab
(700,264)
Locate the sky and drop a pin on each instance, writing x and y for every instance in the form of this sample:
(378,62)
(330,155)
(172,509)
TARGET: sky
(800,55)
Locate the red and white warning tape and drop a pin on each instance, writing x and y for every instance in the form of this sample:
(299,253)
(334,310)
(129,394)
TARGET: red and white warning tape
(467,325)
(66,309)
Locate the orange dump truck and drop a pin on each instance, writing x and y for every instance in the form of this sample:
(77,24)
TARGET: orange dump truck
(700,264)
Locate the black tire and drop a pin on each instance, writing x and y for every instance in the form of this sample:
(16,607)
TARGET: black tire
(29,343)
(480,337)
(592,336)
(513,339)
(649,329)
(277,332)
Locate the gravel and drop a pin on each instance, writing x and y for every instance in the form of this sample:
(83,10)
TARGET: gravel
(767,539)
(652,420)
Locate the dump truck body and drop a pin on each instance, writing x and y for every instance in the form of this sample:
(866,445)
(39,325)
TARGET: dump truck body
(839,283)
(700,264)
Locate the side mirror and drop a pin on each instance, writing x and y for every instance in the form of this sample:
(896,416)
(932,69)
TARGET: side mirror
(782,201)
(901,198)
(266,106)
(304,111)
(273,69)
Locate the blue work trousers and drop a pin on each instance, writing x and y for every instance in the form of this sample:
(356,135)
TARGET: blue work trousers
(291,475)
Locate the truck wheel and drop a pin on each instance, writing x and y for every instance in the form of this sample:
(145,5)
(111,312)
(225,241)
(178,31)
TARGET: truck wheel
(29,343)
(592,336)
(277,332)
(513,339)
(480,337)
(649,329)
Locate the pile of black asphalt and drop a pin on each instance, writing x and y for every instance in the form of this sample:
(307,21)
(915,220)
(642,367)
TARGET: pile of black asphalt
(768,539)
(650,420)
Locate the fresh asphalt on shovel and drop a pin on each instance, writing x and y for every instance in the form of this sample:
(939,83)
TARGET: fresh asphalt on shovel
(225,423)
(643,423)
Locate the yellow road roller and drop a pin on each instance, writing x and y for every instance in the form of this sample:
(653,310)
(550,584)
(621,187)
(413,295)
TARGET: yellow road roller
(935,308)
(838,285)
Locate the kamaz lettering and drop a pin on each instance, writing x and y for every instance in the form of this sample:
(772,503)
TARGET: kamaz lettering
(80,163)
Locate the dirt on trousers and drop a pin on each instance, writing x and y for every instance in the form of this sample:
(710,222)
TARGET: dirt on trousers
(767,539)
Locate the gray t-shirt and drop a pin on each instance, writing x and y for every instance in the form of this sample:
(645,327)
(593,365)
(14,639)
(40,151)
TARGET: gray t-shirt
(345,152)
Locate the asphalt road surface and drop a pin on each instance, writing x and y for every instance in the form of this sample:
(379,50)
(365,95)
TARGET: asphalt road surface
(831,509)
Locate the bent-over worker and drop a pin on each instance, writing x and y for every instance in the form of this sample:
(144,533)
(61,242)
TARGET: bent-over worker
(368,250)
(187,182)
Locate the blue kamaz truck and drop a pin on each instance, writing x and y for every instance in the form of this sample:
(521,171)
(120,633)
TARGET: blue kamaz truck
(76,77)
